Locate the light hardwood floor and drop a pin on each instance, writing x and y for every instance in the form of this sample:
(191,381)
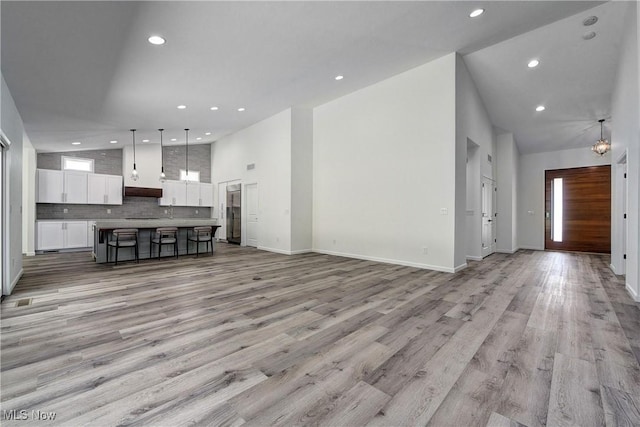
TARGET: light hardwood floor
(255,338)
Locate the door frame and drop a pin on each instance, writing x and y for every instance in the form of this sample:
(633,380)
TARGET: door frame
(491,248)
(5,229)
(244,214)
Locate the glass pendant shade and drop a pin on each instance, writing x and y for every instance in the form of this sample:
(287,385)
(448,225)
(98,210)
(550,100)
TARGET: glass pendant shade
(602,146)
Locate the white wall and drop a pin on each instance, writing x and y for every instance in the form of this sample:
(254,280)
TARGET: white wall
(268,145)
(28,197)
(12,129)
(472,122)
(507,162)
(531,188)
(474,203)
(301,180)
(148,165)
(625,138)
(383,168)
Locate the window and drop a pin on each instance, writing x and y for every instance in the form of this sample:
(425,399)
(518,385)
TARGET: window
(194,176)
(556,210)
(77,164)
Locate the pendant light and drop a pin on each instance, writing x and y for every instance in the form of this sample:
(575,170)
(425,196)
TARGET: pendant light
(186,131)
(163,177)
(134,172)
(602,146)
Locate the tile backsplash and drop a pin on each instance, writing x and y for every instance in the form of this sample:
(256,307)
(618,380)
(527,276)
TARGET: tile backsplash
(132,207)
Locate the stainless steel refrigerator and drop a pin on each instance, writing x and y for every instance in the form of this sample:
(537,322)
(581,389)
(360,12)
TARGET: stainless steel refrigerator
(234,209)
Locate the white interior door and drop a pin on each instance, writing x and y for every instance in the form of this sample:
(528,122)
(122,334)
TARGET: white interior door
(488,216)
(251,191)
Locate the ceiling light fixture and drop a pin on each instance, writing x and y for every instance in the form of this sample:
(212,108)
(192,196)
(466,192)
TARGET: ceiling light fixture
(590,21)
(213,108)
(540,108)
(157,40)
(174,139)
(589,35)
(113,142)
(241,109)
(134,172)
(602,146)
(476,13)
(76,143)
(145,140)
(163,177)
(198,139)
(339,77)
(533,63)
(207,133)
(181,107)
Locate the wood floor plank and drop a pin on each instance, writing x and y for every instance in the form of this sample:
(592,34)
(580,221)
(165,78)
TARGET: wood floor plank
(252,337)
(575,394)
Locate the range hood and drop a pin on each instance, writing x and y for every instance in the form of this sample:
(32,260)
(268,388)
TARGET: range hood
(142,192)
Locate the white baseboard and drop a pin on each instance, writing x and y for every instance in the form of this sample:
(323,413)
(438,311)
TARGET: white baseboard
(284,252)
(392,261)
(460,267)
(508,251)
(633,293)
(474,258)
(15,281)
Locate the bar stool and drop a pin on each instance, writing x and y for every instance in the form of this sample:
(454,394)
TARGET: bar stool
(201,235)
(164,236)
(124,238)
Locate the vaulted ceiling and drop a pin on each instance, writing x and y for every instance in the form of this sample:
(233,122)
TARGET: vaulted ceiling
(84,71)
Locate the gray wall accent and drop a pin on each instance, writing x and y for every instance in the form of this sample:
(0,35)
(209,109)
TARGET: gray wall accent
(132,207)
(105,161)
(199,160)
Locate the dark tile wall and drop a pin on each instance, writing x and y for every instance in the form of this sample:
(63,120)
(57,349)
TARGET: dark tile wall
(199,160)
(105,161)
(132,207)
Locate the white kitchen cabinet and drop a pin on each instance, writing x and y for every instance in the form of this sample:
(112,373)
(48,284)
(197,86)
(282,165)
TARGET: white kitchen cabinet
(61,186)
(54,235)
(193,194)
(104,189)
(206,195)
(174,193)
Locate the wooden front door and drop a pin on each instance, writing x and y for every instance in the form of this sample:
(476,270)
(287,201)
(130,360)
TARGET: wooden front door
(578,209)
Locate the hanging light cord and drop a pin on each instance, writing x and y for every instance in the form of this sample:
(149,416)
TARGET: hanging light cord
(187,152)
(161,152)
(601,121)
(133,131)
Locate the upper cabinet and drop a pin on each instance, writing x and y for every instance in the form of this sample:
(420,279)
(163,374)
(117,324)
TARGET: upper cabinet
(105,189)
(74,187)
(179,193)
(61,186)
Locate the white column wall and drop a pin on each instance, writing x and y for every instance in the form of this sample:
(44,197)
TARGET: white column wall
(384,170)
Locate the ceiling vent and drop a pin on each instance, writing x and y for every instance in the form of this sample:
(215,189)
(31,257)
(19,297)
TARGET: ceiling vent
(251,166)
(590,21)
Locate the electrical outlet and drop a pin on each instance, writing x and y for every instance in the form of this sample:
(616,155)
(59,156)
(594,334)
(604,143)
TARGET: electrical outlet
(425,251)
(334,241)
(444,211)
(166,211)
(65,210)
(108,211)
(196,211)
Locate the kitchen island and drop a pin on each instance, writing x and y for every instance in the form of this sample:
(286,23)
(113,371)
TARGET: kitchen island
(104,228)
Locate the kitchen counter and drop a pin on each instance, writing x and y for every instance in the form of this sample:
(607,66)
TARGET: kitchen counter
(104,227)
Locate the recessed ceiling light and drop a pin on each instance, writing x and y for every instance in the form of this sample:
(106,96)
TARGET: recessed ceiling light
(207,133)
(241,109)
(339,77)
(590,21)
(198,139)
(76,143)
(533,63)
(476,13)
(181,107)
(173,139)
(213,108)
(540,108)
(145,140)
(589,35)
(157,40)
(113,142)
